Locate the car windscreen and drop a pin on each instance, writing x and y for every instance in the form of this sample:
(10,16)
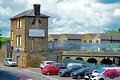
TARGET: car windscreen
(82,69)
(49,62)
(46,67)
(11,60)
(68,68)
(43,63)
(100,70)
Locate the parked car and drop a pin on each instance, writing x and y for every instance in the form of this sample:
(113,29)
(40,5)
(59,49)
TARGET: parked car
(9,62)
(100,76)
(71,64)
(89,73)
(82,73)
(66,72)
(50,69)
(44,63)
(60,65)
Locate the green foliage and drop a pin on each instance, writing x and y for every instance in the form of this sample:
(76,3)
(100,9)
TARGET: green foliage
(52,50)
(113,31)
(83,50)
(5,39)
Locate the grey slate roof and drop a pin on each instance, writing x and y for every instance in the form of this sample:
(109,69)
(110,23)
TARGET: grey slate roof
(110,36)
(92,35)
(74,36)
(55,36)
(28,13)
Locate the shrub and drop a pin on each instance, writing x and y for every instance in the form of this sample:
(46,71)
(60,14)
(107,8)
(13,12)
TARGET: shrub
(112,73)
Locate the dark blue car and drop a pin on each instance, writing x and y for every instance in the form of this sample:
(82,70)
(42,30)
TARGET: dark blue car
(82,73)
(60,65)
(66,72)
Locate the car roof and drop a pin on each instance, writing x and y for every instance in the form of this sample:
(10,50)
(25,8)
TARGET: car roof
(50,65)
(48,61)
(8,58)
(111,67)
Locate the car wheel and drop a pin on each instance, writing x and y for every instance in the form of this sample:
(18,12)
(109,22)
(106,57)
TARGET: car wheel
(7,64)
(78,76)
(48,73)
(4,65)
(60,74)
(101,79)
(67,75)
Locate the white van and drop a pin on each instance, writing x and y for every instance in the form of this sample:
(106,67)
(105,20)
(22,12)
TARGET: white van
(100,76)
(71,64)
(44,63)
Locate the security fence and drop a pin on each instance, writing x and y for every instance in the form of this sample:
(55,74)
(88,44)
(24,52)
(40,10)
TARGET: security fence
(84,47)
(86,64)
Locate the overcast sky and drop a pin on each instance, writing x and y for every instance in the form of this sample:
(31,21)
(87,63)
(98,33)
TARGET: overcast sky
(67,16)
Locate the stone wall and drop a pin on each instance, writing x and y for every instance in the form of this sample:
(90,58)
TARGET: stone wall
(3,53)
(34,59)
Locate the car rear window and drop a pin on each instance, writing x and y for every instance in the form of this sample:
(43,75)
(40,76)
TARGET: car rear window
(46,67)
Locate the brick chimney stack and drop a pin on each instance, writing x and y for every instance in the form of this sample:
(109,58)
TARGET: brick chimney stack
(36,8)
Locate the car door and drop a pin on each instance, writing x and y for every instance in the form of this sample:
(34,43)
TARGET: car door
(56,70)
(51,69)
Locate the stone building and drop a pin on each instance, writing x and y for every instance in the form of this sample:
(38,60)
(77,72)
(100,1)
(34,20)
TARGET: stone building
(53,37)
(29,33)
(107,38)
(29,30)
(70,38)
(88,38)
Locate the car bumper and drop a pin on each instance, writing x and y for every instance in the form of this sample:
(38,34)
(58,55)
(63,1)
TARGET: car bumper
(61,74)
(74,76)
(13,64)
(44,72)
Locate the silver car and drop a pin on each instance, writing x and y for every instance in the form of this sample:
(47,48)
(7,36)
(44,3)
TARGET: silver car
(9,62)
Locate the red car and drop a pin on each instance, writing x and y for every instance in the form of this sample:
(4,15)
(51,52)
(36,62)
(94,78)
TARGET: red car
(50,69)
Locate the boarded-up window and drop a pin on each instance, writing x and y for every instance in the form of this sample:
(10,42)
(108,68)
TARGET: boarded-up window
(18,38)
(19,23)
(11,35)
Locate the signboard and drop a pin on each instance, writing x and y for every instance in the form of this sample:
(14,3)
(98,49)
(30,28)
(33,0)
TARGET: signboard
(18,52)
(36,33)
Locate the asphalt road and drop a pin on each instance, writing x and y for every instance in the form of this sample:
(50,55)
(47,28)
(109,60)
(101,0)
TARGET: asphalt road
(14,73)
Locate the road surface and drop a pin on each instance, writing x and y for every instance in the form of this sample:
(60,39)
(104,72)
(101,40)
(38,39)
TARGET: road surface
(15,73)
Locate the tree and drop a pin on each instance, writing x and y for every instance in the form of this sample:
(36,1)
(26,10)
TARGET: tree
(118,29)
(112,32)
(0,39)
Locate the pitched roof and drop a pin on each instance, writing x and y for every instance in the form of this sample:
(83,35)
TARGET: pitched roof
(28,13)
(92,35)
(74,36)
(110,36)
(55,36)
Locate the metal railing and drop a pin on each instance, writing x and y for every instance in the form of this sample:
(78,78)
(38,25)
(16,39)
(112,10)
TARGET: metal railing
(84,47)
